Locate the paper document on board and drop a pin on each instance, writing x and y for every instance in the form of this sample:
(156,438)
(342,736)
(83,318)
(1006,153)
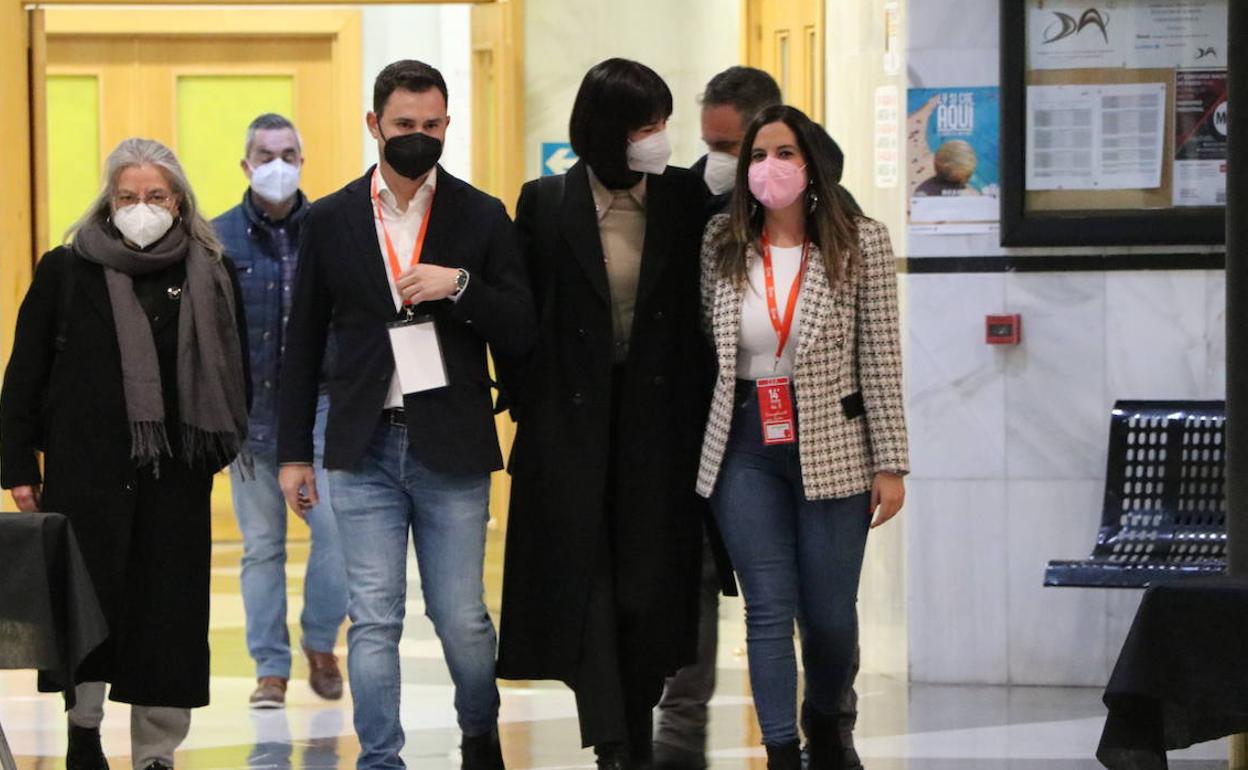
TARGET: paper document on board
(1095,137)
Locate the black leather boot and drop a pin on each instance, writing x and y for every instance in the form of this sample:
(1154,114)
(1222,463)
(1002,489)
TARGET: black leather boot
(481,752)
(824,748)
(85,751)
(786,756)
(612,756)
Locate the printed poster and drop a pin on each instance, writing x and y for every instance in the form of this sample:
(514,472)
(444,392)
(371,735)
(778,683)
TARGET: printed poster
(1146,34)
(952,136)
(1200,138)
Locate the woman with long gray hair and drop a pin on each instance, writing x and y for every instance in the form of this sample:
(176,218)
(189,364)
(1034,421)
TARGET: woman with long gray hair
(129,375)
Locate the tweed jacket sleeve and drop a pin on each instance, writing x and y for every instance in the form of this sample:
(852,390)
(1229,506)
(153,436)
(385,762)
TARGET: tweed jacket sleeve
(879,350)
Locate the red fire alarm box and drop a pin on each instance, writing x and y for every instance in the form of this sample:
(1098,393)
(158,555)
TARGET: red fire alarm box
(1004,329)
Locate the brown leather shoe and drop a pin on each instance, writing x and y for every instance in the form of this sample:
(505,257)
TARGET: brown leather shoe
(323,676)
(270,693)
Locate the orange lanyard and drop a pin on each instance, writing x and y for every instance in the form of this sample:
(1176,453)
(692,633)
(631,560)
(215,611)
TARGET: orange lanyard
(395,268)
(782,327)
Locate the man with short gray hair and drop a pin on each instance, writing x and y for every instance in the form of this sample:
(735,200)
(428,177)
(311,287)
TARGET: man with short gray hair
(261,234)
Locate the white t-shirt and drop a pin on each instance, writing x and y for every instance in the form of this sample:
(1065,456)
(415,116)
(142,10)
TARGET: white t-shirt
(756,348)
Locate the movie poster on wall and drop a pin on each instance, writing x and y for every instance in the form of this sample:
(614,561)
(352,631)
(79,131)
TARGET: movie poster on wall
(1200,136)
(952,138)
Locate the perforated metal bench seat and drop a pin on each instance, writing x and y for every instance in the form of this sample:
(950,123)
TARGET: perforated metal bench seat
(1164,514)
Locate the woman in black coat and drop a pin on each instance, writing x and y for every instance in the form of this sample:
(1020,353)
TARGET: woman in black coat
(604,532)
(129,376)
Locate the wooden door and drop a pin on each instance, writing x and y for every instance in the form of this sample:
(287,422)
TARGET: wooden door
(785,38)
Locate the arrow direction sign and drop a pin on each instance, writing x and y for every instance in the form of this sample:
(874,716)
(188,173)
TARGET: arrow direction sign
(557,158)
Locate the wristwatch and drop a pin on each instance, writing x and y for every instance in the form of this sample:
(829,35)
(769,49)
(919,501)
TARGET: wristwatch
(461,281)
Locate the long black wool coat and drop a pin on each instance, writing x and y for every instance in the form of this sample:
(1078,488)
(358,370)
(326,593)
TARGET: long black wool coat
(587,487)
(147,540)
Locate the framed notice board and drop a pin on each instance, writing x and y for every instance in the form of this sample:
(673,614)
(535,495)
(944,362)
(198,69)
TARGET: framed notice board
(1113,122)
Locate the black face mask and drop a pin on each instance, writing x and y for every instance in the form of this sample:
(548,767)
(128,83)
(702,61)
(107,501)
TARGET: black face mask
(412,155)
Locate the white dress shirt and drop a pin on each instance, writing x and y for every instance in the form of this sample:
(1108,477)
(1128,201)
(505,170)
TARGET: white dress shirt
(404,227)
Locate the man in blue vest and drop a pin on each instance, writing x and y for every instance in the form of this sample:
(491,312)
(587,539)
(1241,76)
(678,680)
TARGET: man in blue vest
(261,234)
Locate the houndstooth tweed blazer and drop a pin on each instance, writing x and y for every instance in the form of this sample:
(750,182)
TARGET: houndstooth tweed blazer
(848,344)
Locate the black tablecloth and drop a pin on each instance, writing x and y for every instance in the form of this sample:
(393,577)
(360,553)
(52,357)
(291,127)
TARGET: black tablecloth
(49,616)
(1182,675)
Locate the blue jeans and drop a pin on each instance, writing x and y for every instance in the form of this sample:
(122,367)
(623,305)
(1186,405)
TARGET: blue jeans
(261,512)
(387,495)
(796,560)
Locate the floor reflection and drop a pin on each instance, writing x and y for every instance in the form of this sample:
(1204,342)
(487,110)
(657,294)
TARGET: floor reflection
(902,726)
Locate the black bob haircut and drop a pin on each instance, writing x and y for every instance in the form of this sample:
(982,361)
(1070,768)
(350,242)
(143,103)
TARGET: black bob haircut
(616,97)
(410,75)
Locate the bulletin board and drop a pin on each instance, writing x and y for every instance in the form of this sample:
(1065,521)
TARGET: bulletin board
(1113,122)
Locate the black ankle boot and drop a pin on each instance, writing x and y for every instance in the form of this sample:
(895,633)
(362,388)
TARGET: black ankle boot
(85,751)
(481,752)
(612,756)
(824,748)
(786,756)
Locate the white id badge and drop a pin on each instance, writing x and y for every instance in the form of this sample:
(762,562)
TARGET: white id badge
(417,355)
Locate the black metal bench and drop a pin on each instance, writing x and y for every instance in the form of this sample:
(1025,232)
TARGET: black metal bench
(1164,514)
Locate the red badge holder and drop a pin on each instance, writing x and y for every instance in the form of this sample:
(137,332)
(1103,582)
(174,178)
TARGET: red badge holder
(775,407)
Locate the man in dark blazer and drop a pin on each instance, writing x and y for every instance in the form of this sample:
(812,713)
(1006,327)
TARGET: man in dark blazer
(405,244)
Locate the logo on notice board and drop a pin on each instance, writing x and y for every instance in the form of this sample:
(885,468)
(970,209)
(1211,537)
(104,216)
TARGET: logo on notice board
(1219,118)
(1203,52)
(1066,25)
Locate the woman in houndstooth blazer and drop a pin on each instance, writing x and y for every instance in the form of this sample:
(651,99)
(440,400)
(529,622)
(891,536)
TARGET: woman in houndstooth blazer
(806,436)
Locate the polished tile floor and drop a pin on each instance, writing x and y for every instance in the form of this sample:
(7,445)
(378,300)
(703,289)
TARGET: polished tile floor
(901,727)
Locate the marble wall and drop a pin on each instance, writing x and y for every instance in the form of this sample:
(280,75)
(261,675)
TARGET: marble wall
(1008,443)
(1008,448)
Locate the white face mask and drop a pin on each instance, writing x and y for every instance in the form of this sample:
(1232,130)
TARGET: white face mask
(650,155)
(276,181)
(721,172)
(143,223)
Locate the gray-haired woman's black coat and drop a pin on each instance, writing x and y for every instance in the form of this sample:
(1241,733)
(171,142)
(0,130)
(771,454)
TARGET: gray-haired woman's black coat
(601,476)
(147,541)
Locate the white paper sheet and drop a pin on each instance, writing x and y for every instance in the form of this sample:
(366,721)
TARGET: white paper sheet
(417,357)
(1095,137)
(1200,183)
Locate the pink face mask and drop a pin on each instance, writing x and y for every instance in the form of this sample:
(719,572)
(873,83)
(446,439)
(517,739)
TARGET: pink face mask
(776,183)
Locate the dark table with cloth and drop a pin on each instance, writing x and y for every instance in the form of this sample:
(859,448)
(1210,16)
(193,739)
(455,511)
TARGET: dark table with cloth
(1182,675)
(49,617)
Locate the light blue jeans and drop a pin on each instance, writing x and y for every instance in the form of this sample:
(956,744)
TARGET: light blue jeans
(797,560)
(261,512)
(388,494)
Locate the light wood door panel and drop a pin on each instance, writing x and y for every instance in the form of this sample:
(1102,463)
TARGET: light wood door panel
(785,38)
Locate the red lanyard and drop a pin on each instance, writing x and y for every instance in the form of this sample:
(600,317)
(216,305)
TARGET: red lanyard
(782,327)
(395,268)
